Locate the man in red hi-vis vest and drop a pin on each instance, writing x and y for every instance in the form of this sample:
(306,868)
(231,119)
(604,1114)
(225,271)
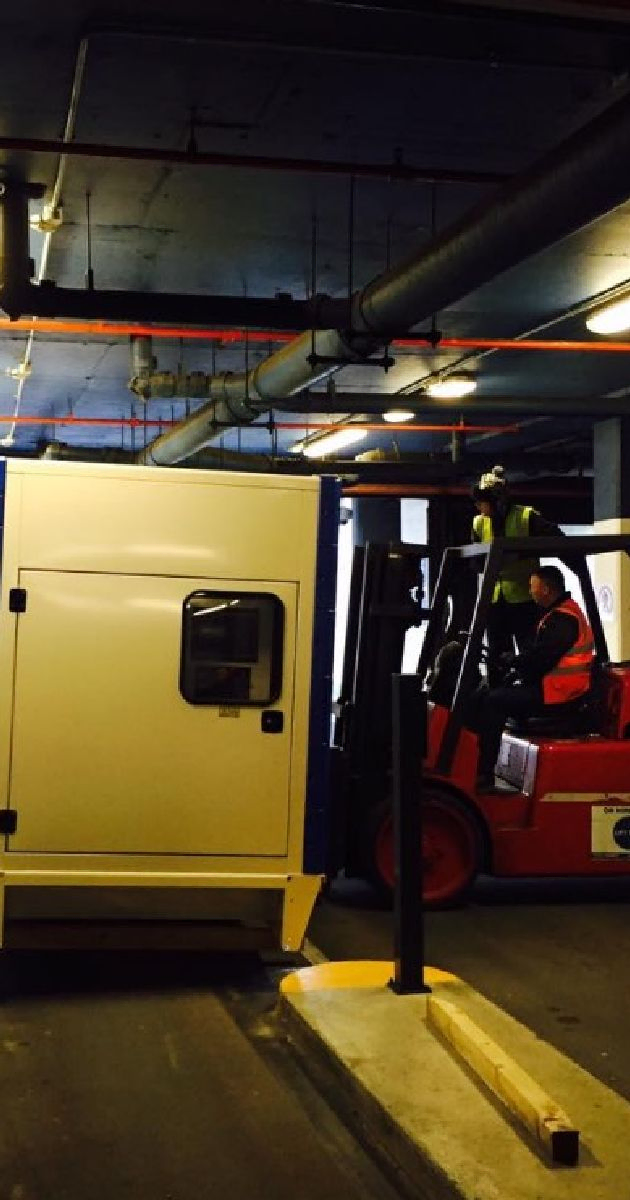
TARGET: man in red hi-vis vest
(553,671)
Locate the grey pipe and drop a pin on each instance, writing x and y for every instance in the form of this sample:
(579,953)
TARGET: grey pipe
(62,451)
(571,186)
(354,403)
(143,365)
(217,459)
(16,265)
(197,386)
(241,397)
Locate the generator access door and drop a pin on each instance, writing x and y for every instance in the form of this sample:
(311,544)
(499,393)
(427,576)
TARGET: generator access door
(152,715)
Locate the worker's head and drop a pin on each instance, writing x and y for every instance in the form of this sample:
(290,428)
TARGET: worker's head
(491,493)
(546,585)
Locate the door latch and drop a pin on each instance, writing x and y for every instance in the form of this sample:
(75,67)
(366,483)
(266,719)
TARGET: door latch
(272,721)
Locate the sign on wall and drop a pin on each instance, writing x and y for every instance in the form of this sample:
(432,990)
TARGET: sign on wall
(606,602)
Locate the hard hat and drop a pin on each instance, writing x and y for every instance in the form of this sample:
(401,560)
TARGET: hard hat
(491,486)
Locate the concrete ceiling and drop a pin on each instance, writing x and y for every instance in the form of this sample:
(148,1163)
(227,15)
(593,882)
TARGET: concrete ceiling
(448,88)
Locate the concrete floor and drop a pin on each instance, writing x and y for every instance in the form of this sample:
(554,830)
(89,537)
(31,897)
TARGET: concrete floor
(161,1077)
(158,1077)
(554,954)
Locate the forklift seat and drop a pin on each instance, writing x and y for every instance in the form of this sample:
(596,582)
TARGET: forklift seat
(573,719)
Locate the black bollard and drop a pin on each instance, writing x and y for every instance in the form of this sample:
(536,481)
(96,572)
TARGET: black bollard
(409,731)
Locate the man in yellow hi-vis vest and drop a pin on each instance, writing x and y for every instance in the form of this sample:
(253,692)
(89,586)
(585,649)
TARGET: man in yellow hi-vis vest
(555,670)
(513,615)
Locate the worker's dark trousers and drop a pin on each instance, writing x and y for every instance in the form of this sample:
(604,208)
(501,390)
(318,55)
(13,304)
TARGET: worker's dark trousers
(524,700)
(509,623)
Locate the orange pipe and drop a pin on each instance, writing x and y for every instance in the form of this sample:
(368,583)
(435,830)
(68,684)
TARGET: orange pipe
(124,329)
(132,421)
(530,344)
(127,329)
(405,489)
(446,489)
(146,423)
(407,427)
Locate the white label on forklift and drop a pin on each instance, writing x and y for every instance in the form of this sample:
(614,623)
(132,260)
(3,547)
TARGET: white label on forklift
(610,831)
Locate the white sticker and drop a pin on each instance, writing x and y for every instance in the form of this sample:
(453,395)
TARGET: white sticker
(606,602)
(610,831)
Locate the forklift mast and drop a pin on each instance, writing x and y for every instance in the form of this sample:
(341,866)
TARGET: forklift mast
(386,598)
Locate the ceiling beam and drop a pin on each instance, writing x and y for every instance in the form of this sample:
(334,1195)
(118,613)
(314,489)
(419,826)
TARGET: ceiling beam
(440,31)
(396,170)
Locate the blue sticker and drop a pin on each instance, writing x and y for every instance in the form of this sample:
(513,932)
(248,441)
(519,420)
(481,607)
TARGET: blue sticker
(621,833)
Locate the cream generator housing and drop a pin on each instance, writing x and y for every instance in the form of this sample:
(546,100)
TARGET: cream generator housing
(165,656)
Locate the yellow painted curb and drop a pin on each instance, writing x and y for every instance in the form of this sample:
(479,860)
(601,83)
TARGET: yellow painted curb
(347,975)
(524,1098)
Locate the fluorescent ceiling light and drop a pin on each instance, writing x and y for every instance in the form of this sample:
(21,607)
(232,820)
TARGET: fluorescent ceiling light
(333,441)
(451,387)
(397,415)
(612,318)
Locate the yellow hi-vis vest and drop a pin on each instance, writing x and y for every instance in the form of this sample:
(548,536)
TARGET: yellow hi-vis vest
(571,677)
(513,581)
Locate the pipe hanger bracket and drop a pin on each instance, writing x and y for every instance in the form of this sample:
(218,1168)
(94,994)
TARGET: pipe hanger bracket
(316,360)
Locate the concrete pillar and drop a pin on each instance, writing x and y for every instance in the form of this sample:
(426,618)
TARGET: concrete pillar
(611,505)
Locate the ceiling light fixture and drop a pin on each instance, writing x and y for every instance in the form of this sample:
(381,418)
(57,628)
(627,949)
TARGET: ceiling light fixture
(396,416)
(611,318)
(451,387)
(330,442)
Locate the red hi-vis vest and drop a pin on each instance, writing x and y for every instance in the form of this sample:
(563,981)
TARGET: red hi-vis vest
(571,676)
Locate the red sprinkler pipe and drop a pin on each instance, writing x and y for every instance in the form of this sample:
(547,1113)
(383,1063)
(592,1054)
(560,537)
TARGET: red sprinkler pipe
(518,344)
(257,162)
(439,489)
(124,329)
(133,423)
(149,423)
(381,426)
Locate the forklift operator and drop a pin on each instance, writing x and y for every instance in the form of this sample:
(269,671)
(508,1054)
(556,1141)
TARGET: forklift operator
(513,614)
(553,671)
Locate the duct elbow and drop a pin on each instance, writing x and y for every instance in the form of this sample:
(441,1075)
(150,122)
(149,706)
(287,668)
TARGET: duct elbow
(166,385)
(13,301)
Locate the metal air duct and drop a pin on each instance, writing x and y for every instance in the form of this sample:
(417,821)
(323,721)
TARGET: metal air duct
(571,186)
(241,397)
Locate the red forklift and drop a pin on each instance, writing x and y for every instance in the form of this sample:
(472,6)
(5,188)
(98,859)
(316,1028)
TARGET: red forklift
(562,801)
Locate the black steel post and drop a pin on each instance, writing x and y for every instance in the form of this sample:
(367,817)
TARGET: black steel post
(409,721)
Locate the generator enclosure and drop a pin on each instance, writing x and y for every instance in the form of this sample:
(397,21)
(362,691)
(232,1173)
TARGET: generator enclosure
(166,642)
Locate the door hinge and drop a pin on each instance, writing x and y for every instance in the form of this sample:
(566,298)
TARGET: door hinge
(8,820)
(17,600)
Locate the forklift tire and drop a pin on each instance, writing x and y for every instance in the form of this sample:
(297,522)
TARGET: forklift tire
(452,849)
